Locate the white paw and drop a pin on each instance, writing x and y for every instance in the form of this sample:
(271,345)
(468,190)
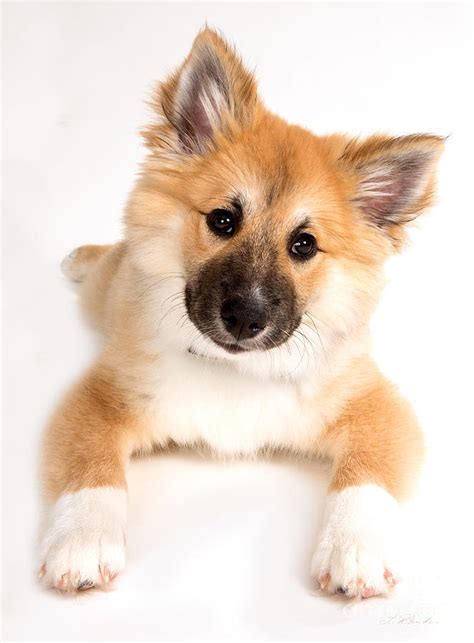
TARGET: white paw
(356,552)
(84,544)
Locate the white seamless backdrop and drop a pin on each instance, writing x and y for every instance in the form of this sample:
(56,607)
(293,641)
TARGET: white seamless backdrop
(218,550)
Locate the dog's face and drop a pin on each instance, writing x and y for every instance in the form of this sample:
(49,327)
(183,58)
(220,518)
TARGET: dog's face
(254,251)
(259,242)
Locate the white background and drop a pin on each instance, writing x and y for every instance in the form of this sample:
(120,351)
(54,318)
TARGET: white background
(223,550)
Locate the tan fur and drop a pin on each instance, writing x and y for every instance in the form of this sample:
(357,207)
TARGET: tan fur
(375,439)
(371,433)
(90,437)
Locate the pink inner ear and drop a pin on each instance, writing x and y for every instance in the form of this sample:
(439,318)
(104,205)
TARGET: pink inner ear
(381,197)
(199,122)
(205,88)
(390,187)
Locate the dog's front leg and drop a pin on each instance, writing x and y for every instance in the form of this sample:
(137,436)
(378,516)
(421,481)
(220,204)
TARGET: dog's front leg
(377,449)
(85,452)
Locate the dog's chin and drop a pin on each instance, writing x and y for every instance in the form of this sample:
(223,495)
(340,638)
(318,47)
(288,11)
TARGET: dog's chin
(216,348)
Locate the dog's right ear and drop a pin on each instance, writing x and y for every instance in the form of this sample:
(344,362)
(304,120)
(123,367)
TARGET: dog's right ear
(210,94)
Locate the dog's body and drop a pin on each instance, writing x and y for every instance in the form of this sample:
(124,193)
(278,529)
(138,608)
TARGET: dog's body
(236,315)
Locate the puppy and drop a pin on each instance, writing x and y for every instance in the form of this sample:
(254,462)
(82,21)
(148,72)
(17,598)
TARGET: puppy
(235,313)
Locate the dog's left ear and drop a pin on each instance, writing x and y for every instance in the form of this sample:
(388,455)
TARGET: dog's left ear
(392,178)
(211,93)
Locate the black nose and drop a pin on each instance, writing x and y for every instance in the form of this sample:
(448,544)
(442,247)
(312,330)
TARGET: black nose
(243,318)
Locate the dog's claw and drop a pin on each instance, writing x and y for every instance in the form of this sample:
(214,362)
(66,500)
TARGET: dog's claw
(390,579)
(85,584)
(323,581)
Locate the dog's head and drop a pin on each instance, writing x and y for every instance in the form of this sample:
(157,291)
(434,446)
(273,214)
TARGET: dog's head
(257,241)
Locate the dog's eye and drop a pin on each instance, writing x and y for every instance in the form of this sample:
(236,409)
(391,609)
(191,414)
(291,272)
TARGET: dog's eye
(222,222)
(303,246)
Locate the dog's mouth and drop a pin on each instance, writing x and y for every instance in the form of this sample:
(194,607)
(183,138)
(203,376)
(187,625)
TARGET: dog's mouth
(232,349)
(265,343)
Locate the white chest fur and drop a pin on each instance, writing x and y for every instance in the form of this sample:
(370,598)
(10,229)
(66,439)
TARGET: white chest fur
(234,413)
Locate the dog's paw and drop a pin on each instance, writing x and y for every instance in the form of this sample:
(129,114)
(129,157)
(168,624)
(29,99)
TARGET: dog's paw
(356,552)
(84,544)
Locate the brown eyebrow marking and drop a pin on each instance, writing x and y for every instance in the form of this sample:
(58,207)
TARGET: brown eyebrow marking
(279,182)
(303,227)
(233,203)
(236,202)
(271,196)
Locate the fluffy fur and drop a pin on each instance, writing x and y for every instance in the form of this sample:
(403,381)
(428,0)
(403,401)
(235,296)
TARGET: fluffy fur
(164,377)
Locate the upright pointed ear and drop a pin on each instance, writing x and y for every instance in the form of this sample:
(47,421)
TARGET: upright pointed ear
(210,93)
(393,178)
